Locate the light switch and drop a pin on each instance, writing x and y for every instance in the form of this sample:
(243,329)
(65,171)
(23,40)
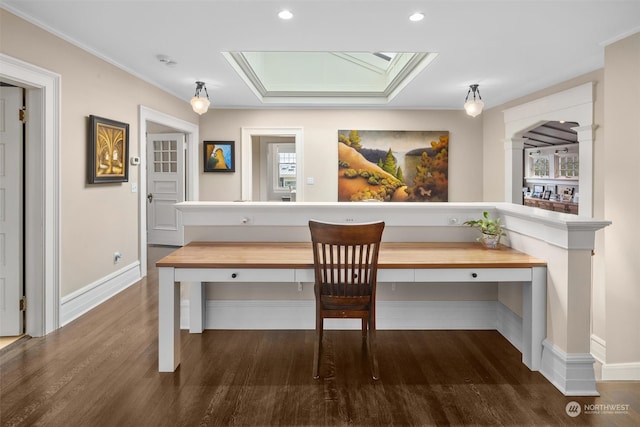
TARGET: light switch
(134,187)
(310,180)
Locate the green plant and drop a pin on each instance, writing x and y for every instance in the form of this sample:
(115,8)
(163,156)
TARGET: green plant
(487,225)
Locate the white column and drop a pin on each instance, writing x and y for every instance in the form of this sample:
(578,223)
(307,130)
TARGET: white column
(585,179)
(513,169)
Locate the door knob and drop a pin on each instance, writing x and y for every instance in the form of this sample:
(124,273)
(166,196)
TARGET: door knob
(150,197)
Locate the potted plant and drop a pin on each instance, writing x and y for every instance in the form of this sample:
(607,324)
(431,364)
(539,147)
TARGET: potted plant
(491,230)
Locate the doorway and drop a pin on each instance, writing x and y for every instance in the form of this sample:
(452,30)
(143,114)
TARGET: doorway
(41,192)
(250,155)
(277,169)
(150,121)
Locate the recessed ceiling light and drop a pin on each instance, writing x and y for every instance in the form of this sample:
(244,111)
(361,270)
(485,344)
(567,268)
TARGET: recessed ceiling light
(416,16)
(285,14)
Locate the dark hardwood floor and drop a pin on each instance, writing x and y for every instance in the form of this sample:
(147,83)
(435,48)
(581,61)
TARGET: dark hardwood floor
(101,370)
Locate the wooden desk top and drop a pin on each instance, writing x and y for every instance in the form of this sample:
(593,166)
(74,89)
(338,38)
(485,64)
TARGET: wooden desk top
(299,255)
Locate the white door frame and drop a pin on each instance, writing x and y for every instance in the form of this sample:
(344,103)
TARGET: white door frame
(247,157)
(42,191)
(192,170)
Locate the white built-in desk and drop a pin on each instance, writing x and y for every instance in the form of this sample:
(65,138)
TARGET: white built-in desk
(278,262)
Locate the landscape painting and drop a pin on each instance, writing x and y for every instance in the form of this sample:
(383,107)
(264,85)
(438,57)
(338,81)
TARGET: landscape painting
(393,166)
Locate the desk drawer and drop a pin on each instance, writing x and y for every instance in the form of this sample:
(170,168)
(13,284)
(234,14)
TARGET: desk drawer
(234,275)
(473,275)
(384,275)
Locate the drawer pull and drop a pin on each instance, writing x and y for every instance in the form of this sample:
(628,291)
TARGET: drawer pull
(474,275)
(234,275)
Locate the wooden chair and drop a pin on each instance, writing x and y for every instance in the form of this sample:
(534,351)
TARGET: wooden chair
(346,264)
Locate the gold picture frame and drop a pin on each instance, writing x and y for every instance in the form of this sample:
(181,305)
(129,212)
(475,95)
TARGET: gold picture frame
(108,151)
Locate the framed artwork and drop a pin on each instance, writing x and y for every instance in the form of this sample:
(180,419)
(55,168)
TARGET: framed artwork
(393,166)
(546,195)
(108,151)
(219,156)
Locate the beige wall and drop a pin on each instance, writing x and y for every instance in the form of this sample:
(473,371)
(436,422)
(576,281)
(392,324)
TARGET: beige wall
(622,136)
(321,145)
(96,220)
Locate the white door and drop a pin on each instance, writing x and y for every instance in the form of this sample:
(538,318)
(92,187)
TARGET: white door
(11,253)
(165,187)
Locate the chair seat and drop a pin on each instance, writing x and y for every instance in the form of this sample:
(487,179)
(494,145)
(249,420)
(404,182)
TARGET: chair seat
(331,302)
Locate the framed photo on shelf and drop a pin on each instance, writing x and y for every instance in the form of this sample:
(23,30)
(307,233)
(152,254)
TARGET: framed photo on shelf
(567,194)
(108,151)
(546,195)
(537,191)
(219,156)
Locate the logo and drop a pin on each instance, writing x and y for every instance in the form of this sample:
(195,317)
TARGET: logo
(573,409)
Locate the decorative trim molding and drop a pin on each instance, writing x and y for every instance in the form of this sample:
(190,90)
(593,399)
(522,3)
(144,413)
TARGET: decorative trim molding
(571,373)
(621,371)
(79,302)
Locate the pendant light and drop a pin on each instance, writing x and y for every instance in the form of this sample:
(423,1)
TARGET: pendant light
(474,106)
(200,105)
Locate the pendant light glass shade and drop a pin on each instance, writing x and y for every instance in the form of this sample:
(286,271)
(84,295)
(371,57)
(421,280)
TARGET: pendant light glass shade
(200,105)
(474,106)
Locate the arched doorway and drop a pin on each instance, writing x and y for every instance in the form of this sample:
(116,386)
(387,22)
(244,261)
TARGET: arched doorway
(575,105)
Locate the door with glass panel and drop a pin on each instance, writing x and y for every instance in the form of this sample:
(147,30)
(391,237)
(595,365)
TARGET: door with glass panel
(165,188)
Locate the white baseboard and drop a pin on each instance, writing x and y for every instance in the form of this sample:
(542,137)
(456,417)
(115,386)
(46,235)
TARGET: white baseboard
(264,314)
(509,325)
(621,371)
(613,371)
(79,302)
(571,373)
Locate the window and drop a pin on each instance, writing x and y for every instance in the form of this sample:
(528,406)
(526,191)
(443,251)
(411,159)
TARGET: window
(567,165)
(286,168)
(540,166)
(165,156)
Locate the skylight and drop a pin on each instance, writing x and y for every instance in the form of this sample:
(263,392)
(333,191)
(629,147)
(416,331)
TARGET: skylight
(346,77)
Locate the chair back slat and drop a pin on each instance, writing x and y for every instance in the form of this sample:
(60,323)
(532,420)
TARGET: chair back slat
(346,257)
